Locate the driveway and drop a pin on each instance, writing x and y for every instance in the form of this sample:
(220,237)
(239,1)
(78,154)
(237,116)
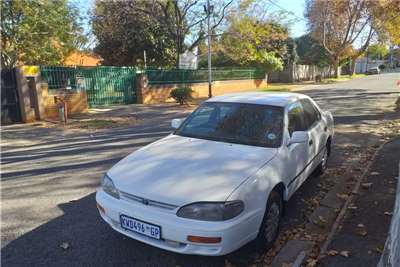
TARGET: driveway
(49,177)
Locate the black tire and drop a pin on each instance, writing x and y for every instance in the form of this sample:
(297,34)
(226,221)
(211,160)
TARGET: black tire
(323,165)
(265,241)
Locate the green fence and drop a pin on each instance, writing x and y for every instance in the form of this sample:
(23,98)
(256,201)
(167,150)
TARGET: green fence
(117,85)
(158,76)
(103,85)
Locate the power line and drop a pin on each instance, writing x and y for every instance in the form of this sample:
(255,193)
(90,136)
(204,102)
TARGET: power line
(286,11)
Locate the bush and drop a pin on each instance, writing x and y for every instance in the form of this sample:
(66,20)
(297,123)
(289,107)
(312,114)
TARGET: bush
(182,94)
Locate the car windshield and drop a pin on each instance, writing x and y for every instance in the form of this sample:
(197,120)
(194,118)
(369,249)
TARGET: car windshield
(249,124)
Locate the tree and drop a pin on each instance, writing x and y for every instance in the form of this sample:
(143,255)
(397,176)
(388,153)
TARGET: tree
(291,55)
(182,19)
(386,15)
(377,51)
(123,34)
(310,51)
(337,25)
(249,42)
(341,24)
(38,32)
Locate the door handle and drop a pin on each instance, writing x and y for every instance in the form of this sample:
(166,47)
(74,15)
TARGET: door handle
(310,142)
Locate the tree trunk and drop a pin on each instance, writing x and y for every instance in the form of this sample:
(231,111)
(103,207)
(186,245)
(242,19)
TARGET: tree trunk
(336,68)
(353,66)
(177,59)
(178,50)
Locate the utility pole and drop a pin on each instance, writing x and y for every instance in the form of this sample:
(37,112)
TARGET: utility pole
(145,59)
(209,11)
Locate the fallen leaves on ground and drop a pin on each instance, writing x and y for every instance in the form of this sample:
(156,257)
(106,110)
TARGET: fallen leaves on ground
(322,219)
(361,230)
(332,252)
(342,196)
(379,249)
(366,185)
(312,262)
(64,245)
(345,253)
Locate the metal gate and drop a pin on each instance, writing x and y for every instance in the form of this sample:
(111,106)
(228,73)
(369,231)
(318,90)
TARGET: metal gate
(109,85)
(10,109)
(104,85)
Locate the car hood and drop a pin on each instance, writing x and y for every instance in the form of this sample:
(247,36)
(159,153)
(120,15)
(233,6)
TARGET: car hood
(179,170)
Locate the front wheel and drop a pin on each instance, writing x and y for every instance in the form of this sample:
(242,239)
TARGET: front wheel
(324,161)
(269,228)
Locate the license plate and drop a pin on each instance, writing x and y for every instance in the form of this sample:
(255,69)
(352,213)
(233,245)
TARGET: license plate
(135,225)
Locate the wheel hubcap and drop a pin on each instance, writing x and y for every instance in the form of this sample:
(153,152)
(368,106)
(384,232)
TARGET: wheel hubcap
(272,222)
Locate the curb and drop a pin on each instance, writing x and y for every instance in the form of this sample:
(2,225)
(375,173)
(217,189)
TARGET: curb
(343,210)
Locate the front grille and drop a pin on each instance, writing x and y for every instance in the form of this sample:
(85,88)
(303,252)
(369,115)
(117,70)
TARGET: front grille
(147,202)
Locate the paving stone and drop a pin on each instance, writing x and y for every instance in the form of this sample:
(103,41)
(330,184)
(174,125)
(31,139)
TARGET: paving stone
(321,220)
(289,253)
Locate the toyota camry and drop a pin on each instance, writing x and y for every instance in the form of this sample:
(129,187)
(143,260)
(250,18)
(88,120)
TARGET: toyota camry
(222,178)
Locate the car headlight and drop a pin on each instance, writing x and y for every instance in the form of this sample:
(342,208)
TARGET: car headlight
(109,187)
(212,211)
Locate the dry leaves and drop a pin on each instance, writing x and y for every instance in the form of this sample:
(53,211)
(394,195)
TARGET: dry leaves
(312,262)
(366,185)
(361,230)
(332,252)
(345,253)
(379,249)
(342,196)
(64,245)
(322,219)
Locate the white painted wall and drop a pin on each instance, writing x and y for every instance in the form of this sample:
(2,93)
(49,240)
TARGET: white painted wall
(362,65)
(189,60)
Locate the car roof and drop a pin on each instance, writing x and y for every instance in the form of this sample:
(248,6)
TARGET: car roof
(263,98)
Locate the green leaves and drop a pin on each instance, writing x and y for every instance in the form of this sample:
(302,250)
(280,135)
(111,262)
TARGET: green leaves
(249,42)
(38,32)
(125,29)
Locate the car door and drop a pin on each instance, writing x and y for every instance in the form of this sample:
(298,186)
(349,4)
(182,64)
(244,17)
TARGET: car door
(296,154)
(315,127)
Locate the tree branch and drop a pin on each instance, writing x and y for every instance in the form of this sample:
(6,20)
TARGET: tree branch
(223,15)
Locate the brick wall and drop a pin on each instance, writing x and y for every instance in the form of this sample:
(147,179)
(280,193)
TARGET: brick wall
(76,101)
(159,93)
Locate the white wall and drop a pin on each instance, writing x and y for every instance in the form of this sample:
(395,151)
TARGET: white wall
(362,66)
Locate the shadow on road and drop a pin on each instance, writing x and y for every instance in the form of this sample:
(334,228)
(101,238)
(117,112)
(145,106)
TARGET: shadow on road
(93,243)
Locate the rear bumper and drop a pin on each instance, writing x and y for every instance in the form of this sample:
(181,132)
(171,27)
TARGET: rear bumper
(174,230)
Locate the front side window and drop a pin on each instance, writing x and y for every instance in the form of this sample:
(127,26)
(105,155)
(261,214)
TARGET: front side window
(311,114)
(295,118)
(249,124)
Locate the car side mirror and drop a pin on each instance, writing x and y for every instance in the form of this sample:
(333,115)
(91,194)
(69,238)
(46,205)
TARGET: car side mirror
(298,137)
(175,123)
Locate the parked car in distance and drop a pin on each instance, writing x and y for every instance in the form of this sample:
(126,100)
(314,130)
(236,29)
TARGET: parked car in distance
(374,70)
(222,178)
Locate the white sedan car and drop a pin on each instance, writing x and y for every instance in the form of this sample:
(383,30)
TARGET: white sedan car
(221,179)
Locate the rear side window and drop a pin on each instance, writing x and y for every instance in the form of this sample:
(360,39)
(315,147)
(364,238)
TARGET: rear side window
(311,114)
(295,118)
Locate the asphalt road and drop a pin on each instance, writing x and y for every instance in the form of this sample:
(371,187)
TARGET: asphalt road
(49,177)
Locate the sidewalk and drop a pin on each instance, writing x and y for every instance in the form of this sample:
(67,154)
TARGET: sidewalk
(362,233)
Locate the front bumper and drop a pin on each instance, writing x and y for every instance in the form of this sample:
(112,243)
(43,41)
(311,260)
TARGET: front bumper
(174,230)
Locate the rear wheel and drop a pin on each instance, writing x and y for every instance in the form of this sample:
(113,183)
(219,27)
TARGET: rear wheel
(269,228)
